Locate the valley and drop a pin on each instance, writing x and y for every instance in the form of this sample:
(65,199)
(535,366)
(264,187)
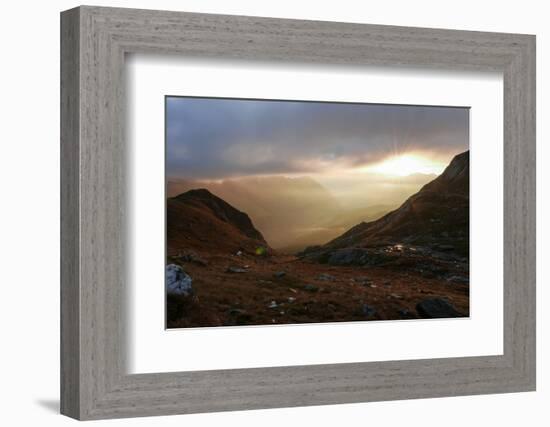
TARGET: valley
(394,264)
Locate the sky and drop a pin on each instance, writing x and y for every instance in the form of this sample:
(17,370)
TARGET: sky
(338,143)
(363,154)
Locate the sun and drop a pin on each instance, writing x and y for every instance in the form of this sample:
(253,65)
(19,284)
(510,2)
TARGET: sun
(405,165)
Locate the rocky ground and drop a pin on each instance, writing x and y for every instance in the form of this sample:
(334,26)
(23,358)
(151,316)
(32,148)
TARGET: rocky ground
(390,283)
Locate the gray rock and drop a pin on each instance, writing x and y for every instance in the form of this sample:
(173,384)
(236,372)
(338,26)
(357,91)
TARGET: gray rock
(326,277)
(434,308)
(192,257)
(311,288)
(273,304)
(279,274)
(362,280)
(368,310)
(178,282)
(233,269)
(404,313)
(349,256)
(239,316)
(432,270)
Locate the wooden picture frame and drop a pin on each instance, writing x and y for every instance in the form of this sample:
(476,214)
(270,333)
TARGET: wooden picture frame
(94,382)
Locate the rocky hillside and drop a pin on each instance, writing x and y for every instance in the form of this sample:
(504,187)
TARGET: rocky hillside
(199,220)
(427,234)
(437,217)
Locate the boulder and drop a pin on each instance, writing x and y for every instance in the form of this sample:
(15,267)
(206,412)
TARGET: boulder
(178,282)
(404,313)
(349,256)
(433,308)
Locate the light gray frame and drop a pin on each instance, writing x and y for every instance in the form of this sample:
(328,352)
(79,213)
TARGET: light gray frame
(94,41)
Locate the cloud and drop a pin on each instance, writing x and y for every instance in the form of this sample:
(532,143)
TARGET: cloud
(209,138)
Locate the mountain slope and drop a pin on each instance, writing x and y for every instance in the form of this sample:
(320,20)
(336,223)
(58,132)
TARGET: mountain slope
(437,216)
(283,208)
(200,220)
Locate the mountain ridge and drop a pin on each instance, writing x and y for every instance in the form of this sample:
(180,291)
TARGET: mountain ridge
(200,216)
(438,214)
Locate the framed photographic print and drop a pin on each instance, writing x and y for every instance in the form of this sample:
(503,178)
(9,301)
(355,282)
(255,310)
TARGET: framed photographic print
(263,213)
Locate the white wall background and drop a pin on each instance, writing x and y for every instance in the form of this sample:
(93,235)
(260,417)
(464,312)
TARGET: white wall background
(29,224)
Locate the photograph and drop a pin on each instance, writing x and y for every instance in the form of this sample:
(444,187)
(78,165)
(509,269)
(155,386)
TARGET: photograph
(290,212)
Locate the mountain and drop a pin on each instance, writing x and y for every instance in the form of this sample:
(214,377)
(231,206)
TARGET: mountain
(283,208)
(436,217)
(197,219)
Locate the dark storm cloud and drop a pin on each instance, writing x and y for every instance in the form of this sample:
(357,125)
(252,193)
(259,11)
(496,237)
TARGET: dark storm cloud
(217,138)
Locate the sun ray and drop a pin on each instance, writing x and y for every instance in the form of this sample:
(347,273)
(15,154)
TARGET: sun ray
(405,165)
